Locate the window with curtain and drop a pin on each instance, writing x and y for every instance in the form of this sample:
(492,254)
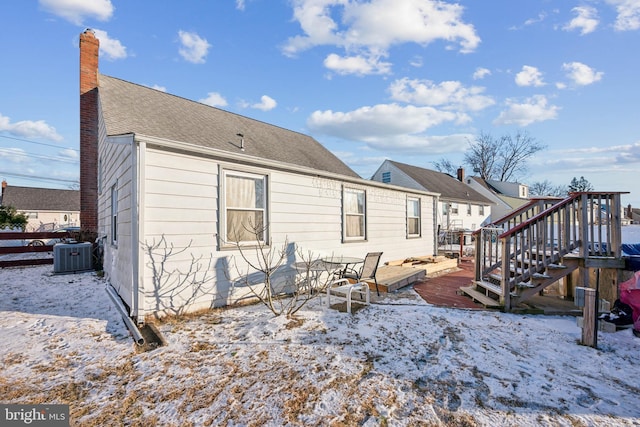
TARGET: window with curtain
(114,214)
(413,217)
(354,202)
(245,203)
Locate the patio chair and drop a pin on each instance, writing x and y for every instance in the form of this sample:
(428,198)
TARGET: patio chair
(368,270)
(342,288)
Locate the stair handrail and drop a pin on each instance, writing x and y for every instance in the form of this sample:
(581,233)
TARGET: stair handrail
(573,223)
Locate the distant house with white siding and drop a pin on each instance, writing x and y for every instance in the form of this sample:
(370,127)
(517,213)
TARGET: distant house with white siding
(459,206)
(169,185)
(46,208)
(507,196)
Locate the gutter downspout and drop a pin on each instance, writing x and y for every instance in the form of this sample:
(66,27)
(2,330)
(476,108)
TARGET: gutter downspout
(137,336)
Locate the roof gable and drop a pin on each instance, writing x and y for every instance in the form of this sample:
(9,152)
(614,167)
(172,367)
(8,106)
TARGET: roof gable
(438,182)
(131,108)
(41,199)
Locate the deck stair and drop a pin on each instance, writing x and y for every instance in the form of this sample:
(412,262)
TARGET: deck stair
(539,244)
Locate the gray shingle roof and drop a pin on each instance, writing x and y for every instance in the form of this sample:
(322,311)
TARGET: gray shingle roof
(131,108)
(41,199)
(438,182)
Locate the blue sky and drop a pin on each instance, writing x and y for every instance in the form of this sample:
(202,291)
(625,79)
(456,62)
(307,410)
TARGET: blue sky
(407,80)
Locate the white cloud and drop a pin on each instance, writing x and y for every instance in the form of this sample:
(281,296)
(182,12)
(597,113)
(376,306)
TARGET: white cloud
(194,48)
(628,18)
(110,48)
(361,31)
(69,153)
(76,11)
(266,103)
(586,20)
(378,122)
(29,129)
(240,4)
(534,109)
(14,155)
(358,65)
(214,99)
(416,61)
(158,87)
(450,95)
(581,74)
(480,73)
(529,76)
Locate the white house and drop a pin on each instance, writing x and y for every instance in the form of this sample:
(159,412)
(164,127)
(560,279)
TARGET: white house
(171,184)
(47,209)
(459,206)
(507,196)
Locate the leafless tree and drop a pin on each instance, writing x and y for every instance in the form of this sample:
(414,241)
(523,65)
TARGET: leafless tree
(445,166)
(546,188)
(501,159)
(271,278)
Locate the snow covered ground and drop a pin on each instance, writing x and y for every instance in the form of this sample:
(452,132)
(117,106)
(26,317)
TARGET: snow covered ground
(401,362)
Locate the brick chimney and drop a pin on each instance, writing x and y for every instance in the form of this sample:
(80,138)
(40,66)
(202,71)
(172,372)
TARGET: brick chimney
(89,46)
(461,174)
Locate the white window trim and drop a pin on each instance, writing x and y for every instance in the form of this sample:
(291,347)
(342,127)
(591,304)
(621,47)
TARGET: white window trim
(223,242)
(419,217)
(114,214)
(345,238)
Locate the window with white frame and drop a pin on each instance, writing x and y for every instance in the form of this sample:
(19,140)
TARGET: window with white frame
(354,202)
(245,207)
(468,208)
(114,213)
(481,209)
(413,217)
(445,208)
(454,209)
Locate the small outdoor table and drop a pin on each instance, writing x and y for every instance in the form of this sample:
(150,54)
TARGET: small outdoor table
(343,260)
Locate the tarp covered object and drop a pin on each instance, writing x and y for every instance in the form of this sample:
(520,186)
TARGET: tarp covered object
(630,294)
(631,252)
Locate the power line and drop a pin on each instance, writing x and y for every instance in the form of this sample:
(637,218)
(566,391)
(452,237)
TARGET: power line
(10,152)
(39,178)
(39,143)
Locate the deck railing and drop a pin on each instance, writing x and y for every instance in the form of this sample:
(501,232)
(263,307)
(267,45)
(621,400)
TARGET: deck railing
(523,245)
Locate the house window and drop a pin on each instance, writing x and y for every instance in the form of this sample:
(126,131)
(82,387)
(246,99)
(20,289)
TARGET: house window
(114,213)
(413,217)
(354,206)
(386,177)
(445,209)
(481,209)
(32,215)
(245,207)
(454,208)
(468,208)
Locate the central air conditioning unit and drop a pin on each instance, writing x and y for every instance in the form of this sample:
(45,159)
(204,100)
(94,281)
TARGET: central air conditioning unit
(72,257)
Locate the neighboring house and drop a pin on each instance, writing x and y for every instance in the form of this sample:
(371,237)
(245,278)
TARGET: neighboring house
(170,184)
(459,207)
(632,215)
(507,196)
(47,209)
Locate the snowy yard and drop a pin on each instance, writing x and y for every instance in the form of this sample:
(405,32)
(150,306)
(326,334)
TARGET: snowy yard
(401,362)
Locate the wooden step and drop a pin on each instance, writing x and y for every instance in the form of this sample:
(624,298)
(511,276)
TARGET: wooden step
(480,297)
(491,287)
